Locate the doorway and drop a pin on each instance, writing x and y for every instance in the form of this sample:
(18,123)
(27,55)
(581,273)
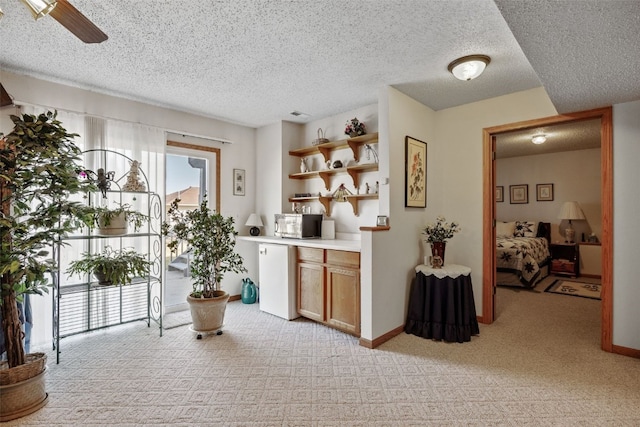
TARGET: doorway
(191,172)
(489,211)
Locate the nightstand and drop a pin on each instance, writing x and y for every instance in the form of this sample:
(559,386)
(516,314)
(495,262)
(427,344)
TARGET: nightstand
(565,259)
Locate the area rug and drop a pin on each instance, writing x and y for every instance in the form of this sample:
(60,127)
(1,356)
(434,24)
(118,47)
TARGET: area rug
(577,289)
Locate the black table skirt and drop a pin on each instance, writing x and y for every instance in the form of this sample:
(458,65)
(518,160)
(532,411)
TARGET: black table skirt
(442,309)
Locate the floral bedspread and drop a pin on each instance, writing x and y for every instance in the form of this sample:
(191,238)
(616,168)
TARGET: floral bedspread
(523,256)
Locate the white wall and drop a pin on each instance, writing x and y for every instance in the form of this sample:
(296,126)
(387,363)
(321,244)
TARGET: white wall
(575,175)
(395,253)
(626,227)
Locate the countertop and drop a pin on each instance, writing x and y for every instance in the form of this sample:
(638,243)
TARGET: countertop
(337,244)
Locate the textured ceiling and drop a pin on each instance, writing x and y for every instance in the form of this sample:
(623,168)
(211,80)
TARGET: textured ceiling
(253,62)
(572,136)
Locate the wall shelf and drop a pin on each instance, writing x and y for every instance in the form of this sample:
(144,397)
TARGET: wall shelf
(353,199)
(326,149)
(353,171)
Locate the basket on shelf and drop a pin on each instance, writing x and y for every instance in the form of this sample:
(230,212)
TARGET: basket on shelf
(321,139)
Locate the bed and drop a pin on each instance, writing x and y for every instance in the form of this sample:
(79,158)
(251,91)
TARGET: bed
(522,252)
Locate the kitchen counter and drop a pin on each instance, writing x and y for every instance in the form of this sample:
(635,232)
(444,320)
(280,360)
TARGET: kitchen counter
(337,244)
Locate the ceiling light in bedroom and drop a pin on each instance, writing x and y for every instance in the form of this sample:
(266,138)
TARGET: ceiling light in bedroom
(539,139)
(571,211)
(469,67)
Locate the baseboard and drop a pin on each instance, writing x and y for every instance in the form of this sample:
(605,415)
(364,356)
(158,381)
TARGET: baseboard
(381,339)
(626,351)
(234,297)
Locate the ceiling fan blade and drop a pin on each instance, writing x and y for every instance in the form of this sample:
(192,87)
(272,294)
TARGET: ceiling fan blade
(5,98)
(77,23)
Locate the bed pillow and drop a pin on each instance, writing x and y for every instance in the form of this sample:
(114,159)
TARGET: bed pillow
(505,229)
(526,229)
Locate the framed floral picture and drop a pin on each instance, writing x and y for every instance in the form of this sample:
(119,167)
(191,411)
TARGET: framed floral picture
(499,193)
(415,163)
(544,192)
(519,194)
(238,182)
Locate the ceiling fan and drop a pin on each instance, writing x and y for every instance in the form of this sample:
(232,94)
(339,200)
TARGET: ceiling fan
(70,18)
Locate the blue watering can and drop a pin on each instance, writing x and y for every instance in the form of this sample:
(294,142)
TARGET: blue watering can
(249,291)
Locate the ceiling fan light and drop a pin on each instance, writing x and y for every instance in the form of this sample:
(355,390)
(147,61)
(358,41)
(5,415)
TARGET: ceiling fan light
(539,139)
(469,67)
(40,8)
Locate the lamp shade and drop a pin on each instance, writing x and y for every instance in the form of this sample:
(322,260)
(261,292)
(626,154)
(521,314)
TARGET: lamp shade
(469,67)
(254,221)
(571,211)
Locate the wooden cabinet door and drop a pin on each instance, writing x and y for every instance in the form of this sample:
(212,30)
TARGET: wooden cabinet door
(343,299)
(311,291)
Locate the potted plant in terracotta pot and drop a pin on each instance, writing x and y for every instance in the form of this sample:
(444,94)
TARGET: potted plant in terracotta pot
(114,221)
(211,238)
(111,267)
(39,173)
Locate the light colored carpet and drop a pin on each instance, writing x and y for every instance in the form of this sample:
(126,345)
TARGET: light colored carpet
(575,288)
(539,364)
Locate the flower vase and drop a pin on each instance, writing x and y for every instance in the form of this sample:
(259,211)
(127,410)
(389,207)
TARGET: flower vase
(437,250)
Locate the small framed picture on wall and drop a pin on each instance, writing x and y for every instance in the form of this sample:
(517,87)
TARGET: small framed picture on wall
(544,192)
(238,182)
(519,194)
(499,193)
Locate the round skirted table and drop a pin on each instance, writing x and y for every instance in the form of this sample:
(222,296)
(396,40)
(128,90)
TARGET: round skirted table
(441,305)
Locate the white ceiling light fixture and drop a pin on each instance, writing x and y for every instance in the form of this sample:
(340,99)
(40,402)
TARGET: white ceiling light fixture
(40,8)
(539,139)
(469,67)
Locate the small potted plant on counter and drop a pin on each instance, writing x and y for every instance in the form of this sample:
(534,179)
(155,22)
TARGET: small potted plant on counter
(111,267)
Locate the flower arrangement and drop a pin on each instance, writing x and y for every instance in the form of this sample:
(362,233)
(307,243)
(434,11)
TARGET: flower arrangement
(354,127)
(441,230)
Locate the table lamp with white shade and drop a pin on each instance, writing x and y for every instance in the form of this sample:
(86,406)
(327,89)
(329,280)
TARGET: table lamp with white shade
(255,223)
(571,211)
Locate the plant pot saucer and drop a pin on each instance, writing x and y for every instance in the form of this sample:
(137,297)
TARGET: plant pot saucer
(206,333)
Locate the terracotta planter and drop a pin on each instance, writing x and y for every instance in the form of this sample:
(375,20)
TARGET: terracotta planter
(207,314)
(117,226)
(22,391)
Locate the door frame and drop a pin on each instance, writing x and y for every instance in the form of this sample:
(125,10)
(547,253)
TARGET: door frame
(197,147)
(606,191)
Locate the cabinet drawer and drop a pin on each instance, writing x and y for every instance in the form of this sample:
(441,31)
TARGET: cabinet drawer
(349,259)
(562,266)
(310,254)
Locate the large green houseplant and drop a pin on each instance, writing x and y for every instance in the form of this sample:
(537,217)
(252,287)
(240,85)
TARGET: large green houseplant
(38,175)
(211,238)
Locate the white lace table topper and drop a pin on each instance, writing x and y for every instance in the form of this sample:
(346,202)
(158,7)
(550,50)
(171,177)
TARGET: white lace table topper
(447,270)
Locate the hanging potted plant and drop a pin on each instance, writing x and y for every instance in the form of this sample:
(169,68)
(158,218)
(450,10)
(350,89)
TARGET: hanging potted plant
(39,174)
(111,267)
(211,238)
(115,221)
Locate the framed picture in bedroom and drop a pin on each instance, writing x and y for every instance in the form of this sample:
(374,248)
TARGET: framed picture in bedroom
(415,179)
(544,192)
(238,182)
(519,194)
(499,193)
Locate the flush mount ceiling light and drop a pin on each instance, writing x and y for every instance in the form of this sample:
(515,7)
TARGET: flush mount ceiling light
(40,8)
(539,139)
(469,67)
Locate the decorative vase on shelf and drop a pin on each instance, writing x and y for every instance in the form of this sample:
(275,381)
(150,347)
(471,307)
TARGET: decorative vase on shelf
(437,250)
(303,165)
